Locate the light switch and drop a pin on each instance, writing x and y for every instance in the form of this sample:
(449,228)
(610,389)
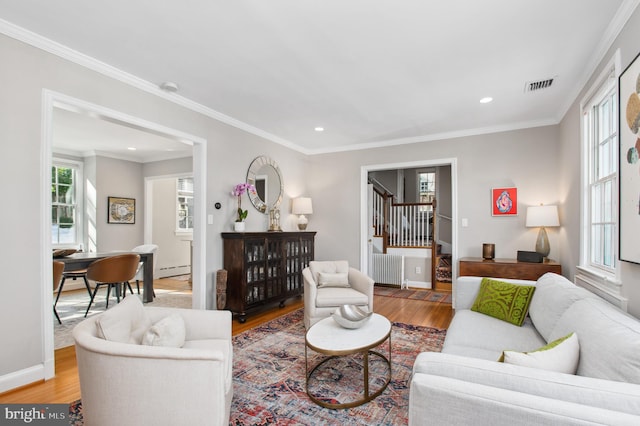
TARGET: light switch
(210,219)
(465,222)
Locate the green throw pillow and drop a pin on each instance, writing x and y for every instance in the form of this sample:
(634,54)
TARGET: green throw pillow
(504,301)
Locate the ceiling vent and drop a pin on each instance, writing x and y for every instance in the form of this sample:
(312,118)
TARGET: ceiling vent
(535,86)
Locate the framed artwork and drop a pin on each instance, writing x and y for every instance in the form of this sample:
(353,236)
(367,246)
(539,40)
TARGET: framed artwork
(121,210)
(629,166)
(504,201)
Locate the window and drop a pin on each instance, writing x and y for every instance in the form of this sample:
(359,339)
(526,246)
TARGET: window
(185,204)
(426,187)
(66,217)
(600,175)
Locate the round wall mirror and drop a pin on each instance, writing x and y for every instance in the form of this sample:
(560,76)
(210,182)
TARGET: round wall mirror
(265,175)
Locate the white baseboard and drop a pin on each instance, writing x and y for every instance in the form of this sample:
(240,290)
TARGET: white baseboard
(22,377)
(420,284)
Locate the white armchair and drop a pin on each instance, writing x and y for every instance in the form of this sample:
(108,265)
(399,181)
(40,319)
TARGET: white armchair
(331,284)
(123,382)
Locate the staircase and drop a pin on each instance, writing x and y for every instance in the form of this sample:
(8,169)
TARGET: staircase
(443,271)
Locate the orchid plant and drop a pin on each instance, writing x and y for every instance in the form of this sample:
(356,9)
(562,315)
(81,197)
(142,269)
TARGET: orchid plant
(238,191)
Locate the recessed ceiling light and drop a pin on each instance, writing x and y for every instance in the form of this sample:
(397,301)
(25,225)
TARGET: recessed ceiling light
(131,148)
(486,100)
(319,129)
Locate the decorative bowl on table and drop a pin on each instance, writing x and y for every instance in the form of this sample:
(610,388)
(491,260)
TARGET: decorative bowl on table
(351,316)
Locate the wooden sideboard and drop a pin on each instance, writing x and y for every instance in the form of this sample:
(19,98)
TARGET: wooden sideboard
(506,268)
(264,268)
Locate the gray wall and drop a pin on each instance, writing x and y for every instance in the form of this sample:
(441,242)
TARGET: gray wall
(628,41)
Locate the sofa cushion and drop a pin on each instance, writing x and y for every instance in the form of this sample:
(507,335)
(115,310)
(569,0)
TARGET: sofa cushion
(125,323)
(169,331)
(328,266)
(609,340)
(561,355)
(554,294)
(504,301)
(335,296)
(338,279)
(480,336)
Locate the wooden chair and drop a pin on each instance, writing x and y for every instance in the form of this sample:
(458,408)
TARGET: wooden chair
(58,268)
(114,272)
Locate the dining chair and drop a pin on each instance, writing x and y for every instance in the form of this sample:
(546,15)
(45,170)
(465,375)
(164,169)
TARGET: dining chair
(114,272)
(78,273)
(58,267)
(145,248)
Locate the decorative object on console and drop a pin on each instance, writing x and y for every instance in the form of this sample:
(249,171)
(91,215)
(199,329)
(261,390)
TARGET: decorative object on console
(488,251)
(237,192)
(543,217)
(274,220)
(302,206)
(629,143)
(504,201)
(529,256)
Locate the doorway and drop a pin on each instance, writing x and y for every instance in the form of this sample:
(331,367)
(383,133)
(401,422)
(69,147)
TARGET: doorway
(52,100)
(366,226)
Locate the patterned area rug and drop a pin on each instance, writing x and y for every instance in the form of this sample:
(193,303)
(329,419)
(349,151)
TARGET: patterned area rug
(269,377)
(426,295)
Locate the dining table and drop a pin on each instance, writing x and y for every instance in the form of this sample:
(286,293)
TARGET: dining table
(81,260)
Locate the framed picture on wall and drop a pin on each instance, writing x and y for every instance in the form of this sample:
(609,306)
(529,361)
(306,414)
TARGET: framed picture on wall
(629,166)
(121,210)
(504,201)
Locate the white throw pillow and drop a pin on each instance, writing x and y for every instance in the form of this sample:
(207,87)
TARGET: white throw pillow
(125,323)
(169,331)
(339,279)
(561,355)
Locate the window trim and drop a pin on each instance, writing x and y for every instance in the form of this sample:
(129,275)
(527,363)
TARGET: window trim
(79,196)
(599,88)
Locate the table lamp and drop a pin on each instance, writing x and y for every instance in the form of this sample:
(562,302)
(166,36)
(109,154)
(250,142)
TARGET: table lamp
(302,206)
(542,217)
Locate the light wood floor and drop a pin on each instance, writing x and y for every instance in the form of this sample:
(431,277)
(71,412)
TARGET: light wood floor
(65,387)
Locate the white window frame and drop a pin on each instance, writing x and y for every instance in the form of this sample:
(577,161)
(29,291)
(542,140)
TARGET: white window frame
(601,280)
(180,193)
(78,196)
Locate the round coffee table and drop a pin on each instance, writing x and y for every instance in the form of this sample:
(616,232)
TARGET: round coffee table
(329,338)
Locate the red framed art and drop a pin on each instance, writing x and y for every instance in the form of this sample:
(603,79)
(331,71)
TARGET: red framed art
(504,201)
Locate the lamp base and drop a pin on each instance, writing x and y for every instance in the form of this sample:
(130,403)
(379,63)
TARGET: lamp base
(302,226)
(302,222)
(542,243)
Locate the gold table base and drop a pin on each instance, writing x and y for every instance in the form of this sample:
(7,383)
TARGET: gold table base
(365,357)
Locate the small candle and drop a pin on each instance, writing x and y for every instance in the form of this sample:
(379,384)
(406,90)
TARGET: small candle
(488,251)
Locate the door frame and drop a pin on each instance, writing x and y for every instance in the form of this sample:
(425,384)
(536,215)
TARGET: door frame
(364,220)
(51,100)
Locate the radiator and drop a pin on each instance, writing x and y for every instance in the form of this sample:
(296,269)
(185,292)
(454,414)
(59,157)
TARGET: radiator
(387,268)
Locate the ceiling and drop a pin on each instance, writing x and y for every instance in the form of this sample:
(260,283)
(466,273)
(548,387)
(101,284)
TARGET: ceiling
(370,72)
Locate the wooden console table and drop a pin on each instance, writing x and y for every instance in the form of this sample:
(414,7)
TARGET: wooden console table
(506,268)
(264,268)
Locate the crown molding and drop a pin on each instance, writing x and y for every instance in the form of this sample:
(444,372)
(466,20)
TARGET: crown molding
(62,51)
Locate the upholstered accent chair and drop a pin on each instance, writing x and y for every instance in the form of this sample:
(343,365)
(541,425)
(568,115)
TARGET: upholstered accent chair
(155,366)
(331,284)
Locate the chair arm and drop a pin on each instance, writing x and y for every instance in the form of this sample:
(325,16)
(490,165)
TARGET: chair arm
(597,393)
(310,289)
(199,324)
(363,283)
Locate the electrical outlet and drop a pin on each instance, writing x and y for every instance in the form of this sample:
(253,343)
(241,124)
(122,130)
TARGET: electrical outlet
(418,270)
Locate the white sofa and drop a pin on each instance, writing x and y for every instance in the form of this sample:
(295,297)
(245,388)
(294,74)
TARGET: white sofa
(321,301)
(466,385)
(124,382)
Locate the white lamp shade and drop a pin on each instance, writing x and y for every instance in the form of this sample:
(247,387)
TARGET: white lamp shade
(302,205)
(542,216)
